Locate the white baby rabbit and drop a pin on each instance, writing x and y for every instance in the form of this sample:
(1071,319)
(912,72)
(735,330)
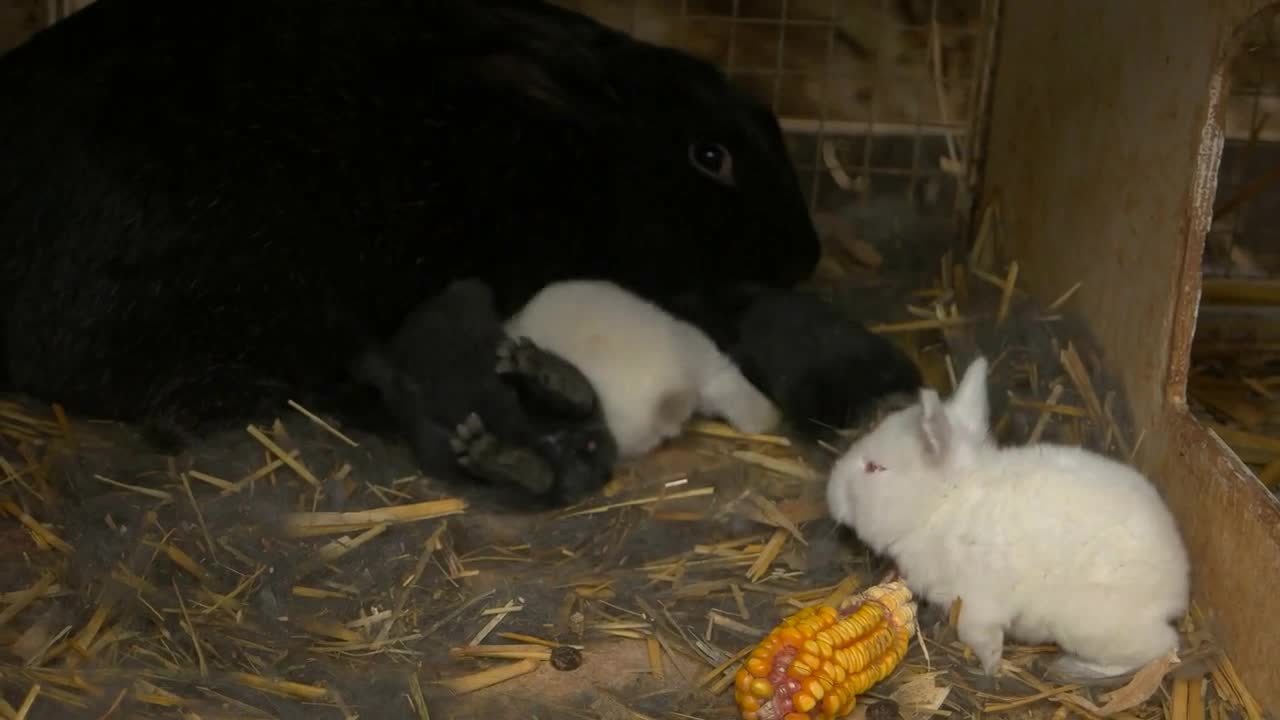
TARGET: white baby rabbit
(1050,543)
(651,370)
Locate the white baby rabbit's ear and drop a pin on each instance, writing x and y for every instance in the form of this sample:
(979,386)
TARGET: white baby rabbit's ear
(968,405)
(935,426)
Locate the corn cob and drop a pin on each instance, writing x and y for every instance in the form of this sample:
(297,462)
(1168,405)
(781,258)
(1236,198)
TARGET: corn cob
(817,661)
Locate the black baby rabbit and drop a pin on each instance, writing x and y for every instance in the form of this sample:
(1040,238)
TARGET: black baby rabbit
(824,370)
(192,192)
(505,410)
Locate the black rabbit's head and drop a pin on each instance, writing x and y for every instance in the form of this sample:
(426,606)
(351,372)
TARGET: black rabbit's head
(708,174)
(647,164)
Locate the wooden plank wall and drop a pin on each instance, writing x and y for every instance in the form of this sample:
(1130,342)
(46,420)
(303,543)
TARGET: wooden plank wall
(1103,150)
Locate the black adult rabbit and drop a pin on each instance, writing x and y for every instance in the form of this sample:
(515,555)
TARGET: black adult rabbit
(192,194)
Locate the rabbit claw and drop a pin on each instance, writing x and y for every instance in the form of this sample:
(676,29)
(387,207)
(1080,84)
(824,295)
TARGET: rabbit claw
(509,355)
(985,639)
(466,433)
(990,660)
(484,455)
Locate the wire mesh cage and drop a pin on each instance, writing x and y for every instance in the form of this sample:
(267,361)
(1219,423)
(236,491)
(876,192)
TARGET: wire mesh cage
(1244,240)
(18,19)
(878,98)
(1235,368)
(884,106)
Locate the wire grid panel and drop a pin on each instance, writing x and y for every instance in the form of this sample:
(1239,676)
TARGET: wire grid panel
(1244,239)
(876,96)
(19,19)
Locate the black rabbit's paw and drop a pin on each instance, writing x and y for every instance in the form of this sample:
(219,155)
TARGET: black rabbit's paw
(484,455)
(545,379)
(515,355)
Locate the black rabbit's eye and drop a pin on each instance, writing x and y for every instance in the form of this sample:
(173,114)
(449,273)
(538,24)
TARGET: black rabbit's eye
(712,159)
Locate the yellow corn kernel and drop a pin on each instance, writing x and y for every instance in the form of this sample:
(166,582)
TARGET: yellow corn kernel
(816,662)
(799,670)
(761,688)
(790,637)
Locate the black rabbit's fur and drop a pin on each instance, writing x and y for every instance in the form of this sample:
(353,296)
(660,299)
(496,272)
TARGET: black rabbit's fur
(439,370)
(205,207)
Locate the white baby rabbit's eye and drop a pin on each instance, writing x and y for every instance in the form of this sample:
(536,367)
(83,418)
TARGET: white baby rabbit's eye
(713,160)
(872,466)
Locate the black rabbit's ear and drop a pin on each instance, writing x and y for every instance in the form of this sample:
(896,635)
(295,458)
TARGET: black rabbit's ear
(373,367)
(577,94)
(470,291)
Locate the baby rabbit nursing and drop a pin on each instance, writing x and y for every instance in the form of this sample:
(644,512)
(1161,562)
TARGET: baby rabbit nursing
(1045,542)
(651,370)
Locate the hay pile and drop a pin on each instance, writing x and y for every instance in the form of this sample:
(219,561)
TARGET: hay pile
(291,570)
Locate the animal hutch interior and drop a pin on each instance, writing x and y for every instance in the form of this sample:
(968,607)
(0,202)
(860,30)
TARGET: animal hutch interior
(1081,191)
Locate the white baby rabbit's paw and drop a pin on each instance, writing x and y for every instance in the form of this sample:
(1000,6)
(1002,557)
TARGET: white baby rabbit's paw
(983,635)
(731,396)
(989,656)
